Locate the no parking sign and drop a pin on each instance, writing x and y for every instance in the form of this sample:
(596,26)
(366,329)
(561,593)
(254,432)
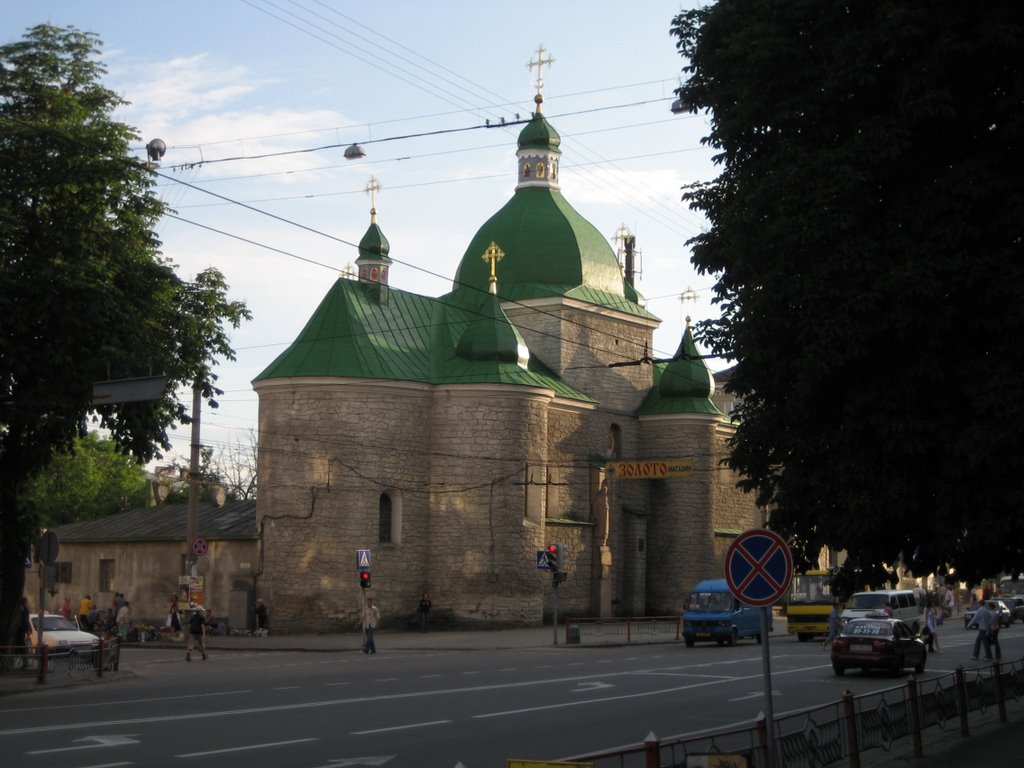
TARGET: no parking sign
(758,567)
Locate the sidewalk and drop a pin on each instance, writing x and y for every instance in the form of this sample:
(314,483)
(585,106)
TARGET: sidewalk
(991,743)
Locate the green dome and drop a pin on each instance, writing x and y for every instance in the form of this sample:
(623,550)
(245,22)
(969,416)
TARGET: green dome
(491,337)
(538,134)
(549,250)
(374,245)
(687,375)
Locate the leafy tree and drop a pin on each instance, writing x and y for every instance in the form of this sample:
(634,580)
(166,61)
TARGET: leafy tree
(84,292)
(92,480)
(865,233)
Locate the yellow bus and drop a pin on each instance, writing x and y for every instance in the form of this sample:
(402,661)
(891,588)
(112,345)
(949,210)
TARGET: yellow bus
(809,604)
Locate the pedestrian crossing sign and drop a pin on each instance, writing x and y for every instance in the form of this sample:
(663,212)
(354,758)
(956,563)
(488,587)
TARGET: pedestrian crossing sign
(362,559)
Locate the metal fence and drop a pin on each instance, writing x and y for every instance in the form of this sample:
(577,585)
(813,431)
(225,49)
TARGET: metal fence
(644,629)
(46,662)
(842,732)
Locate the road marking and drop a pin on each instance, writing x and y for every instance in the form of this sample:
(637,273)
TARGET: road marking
(346,682)
(245,748)
(285,688)
(105,704)
(101,741)
(400,727)
(345,761)
(246,711)
(591,686)
(756,694)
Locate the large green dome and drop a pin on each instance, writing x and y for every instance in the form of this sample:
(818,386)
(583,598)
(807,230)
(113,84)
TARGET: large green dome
(549,250)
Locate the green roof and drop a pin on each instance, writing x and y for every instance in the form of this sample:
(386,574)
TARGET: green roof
(550,250)
(682,385)
(409,337)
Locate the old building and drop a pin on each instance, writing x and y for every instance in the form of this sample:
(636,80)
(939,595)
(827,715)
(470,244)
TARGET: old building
(141,553)
(454,437)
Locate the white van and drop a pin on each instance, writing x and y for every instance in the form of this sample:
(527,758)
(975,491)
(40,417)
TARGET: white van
(902,601)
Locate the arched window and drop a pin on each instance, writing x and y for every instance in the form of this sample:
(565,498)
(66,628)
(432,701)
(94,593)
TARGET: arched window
(614,448)
(540,170)
(384,520)
(526,170)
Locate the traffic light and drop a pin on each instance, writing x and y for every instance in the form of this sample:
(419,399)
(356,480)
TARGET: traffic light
(556,559)
(364,579)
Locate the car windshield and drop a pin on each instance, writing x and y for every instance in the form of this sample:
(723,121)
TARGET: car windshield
(710,601)
(868,601)
(54,624)
(868,628)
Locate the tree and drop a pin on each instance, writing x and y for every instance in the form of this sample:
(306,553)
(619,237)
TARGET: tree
(85,295)
(92,480)
(865,234)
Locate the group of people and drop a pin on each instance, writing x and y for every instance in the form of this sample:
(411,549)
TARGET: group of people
(933,616)
(93,618)
(369,620)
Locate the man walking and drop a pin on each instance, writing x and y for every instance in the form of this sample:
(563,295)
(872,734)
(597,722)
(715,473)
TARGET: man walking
(369,618)
(984,619)
(196,633)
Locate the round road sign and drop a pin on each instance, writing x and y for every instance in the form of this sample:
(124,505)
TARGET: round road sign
(199,546)
(758,567)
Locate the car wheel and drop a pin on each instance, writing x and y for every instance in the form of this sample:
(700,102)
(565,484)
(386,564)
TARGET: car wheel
(732,638)
(689,641)
(919,668)
(897,664)
(759,640)
(720,640)
(803,637)
(838,668)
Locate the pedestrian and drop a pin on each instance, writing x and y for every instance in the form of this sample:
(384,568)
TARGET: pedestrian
(983,621)
(369,619)
(85,607)
(950,602)
(124,620)
(933,618)
(196,633)
(835,625)
(260,611)
(23,632)
(173,622)
(888,609)
(424,611)
(65,608)
(993,633)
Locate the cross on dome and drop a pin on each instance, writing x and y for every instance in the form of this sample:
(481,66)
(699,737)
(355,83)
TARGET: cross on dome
(539,64)
(493,254)
(372,188)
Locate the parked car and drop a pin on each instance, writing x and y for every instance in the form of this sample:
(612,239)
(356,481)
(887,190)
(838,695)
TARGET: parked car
(999,603)
(1016,604)
(878,642)
(61,634)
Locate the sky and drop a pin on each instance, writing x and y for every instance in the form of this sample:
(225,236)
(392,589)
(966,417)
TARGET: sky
(256,101)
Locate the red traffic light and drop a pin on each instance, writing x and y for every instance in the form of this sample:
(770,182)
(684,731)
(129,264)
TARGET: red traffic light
(364,579)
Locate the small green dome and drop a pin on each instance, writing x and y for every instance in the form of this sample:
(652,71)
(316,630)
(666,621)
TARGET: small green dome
(538,134)
(491,337)
(374,245)
(687,375)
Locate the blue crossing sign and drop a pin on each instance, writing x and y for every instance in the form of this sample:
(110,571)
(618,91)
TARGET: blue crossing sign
(758,567)
(362,559)
(544,562)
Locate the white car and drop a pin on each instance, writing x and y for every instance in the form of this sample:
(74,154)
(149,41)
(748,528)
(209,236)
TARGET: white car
(61,634)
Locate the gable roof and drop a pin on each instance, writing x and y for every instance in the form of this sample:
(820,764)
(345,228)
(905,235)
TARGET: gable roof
(235,521)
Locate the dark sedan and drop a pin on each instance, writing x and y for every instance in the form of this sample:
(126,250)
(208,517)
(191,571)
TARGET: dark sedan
(878,642)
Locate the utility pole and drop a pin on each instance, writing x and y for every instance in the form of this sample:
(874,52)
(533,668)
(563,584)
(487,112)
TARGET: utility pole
(192,519)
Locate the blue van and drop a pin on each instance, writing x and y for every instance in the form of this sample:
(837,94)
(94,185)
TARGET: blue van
(712,613)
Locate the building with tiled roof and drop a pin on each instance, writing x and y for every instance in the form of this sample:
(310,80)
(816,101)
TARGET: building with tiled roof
(452,438)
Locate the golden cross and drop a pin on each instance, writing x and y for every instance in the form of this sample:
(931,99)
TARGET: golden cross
(493,254)
(372,188)
(539,64)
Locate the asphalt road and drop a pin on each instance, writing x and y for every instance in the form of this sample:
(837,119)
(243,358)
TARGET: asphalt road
(422,708)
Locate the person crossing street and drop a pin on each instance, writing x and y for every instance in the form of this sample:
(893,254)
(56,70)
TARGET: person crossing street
(196,633)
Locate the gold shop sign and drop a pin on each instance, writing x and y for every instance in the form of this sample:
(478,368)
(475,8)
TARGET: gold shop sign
(653,469)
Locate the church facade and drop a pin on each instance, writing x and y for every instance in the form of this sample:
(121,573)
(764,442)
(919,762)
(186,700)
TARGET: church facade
(451,439)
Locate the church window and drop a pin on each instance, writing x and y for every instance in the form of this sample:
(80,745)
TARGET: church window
(554,170)
(526,170)
(383,274)
(614,447)
(540,170)
(373,274)
(384,520)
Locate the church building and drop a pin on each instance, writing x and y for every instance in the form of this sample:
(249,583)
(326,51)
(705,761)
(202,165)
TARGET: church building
(447,441)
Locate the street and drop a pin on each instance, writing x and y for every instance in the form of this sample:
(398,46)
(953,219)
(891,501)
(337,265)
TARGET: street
(416,708)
